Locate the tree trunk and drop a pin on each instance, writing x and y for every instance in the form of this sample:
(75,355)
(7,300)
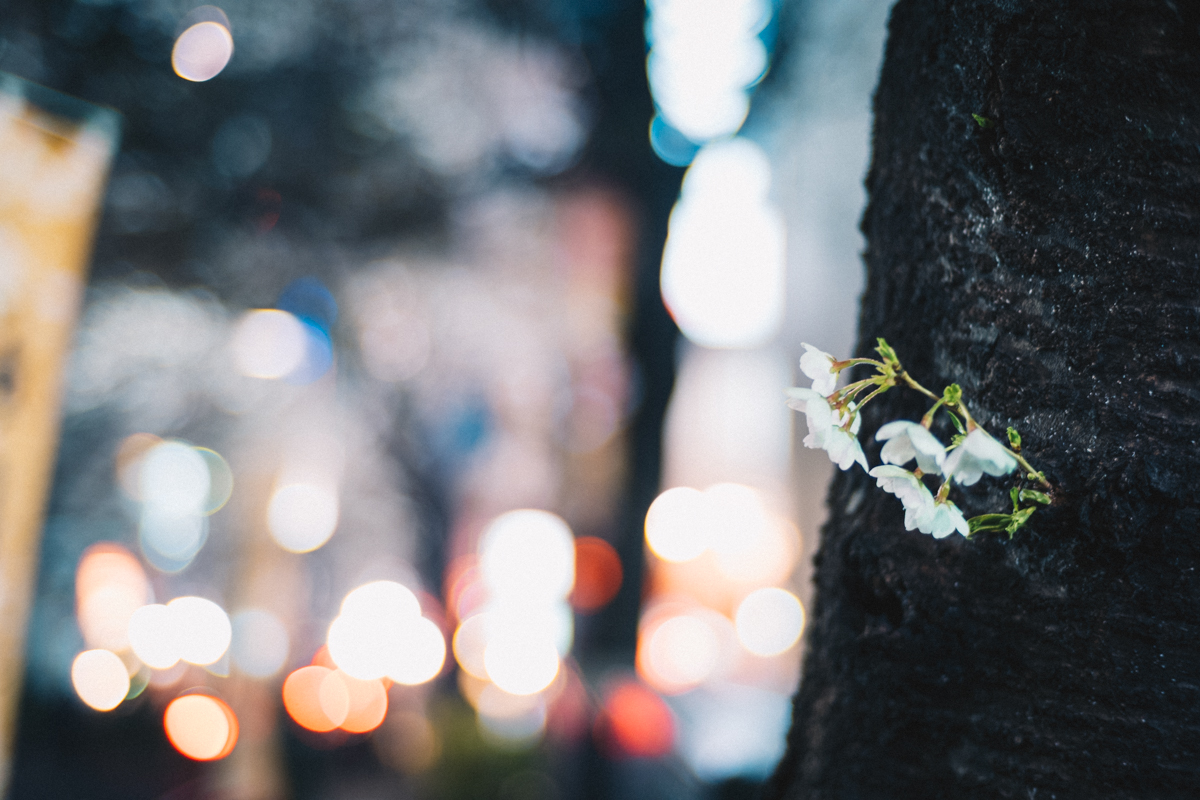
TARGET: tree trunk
(1048,260)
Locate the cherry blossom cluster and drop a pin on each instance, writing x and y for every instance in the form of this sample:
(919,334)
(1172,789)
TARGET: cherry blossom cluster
(834,418)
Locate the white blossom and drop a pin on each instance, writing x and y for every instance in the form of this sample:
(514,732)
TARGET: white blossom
(921,510)
(908,440)
(825,432)
(818,365)
(945,520)
(917,500)
(979,453)
(817,412)
(844,449)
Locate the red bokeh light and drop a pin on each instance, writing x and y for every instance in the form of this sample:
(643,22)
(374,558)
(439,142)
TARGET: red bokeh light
(637,722)
(598,573)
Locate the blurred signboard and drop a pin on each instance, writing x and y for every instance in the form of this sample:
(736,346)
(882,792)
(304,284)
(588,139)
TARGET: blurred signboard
(54,156)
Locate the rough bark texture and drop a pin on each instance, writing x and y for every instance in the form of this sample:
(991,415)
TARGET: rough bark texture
(1050,264)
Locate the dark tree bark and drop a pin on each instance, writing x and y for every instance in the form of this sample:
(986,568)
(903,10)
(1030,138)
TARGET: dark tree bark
(1050,264)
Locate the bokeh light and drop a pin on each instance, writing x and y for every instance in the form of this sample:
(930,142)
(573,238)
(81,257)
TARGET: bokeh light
(170,542)
(705,54)
(510,720)
(766,555)
(367,703)
(128,461)
(201,727)
(682,651)
(318,355)
(204,629)
(751,545)
(514,619)
(521,664)
(723,264)
(681,647)
(769,621)
(154,636)
(528,553)
(381,632)
(100,679)
(302,516)
(675,525)
(174,480)
(637,721)
(220,480)
(307,694)
(421,654)
(470,641)
(381,601)
(110,585)
(598,574)
(177,490)
(333,695)
(359,646)
(260,643)
(268,343)
(202,51)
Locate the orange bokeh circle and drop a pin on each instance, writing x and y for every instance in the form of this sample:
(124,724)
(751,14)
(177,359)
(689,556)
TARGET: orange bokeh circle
(201,727)
(314,701)
(368,704)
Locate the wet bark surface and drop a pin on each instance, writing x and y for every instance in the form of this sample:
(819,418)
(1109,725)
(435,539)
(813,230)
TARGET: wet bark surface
(1050,264)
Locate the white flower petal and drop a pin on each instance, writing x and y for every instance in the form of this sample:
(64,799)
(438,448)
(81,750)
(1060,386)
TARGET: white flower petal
(843,448)
(960,522)
(897,451)
(908,440)
(895,480)
(945,519)
(979,453)
(817,413)
(964,469)
(859,456)
(918,517)
(917,500)
(818,365)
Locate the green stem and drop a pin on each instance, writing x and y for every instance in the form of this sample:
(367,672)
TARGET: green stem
(847,392)
(927,420)
(1029,470)
(850,362)
(869,397)
(904,376)
(961,408)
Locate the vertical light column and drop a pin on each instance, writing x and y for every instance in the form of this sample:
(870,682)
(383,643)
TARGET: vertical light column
(52,170)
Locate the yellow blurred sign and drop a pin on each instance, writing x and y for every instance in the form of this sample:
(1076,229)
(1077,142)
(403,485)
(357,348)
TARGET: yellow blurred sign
(54,156)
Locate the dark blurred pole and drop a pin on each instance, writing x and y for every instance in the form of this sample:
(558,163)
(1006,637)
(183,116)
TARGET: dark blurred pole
(619,153)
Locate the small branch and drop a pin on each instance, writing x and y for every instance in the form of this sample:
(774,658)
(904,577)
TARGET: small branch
(868,398)
(904,376)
